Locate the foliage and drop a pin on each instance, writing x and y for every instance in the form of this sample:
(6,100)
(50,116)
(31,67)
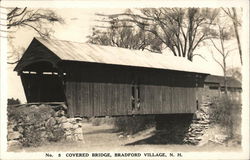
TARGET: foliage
(32,119)
(134,124)
(56,135)
(12,101)
(235,73)
(96,122)
(179,29)
(32,138)
(102,120)
(226,112)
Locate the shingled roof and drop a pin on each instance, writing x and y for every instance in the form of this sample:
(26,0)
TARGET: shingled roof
(84,52)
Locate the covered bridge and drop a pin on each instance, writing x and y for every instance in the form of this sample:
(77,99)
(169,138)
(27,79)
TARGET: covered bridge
(96,80)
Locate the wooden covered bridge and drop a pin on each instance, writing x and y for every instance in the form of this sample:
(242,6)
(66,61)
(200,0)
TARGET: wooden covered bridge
(96,80)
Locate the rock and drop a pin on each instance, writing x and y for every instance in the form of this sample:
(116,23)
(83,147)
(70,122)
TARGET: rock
(71,120)
(20,129)
(67,132)
(14,135)
(14,143)
(10,128)
(34,107)
(220,138)
(197,115)
(78,119)
(79,124)
(69,138)
(59,113)
(78,130)
(64,107)
(43,134)
(50,122)
(67,125)
(205,109)
(75,126)
(42,129)
(79,137)
(45,116)
(121,136)
(62,119)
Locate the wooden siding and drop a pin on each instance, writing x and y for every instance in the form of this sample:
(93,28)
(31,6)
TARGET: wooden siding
(36,52)
(101,90)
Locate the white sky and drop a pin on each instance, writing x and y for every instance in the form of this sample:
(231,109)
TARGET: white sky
(78,25)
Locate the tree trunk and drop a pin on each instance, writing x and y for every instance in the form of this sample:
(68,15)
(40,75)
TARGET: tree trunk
(225,75)
(237,33)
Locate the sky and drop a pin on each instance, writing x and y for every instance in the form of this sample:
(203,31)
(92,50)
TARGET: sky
(78,25)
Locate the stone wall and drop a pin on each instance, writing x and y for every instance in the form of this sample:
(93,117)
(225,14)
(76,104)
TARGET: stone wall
(184,128)
(172,128)
(198,127)
(32,125)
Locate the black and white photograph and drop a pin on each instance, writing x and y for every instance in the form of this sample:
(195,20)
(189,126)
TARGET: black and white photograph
(124,80)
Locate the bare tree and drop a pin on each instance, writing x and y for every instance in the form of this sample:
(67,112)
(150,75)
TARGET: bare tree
(36,19)
(231,12)
(179,29)
(235,73)
(223,35)
(124,35)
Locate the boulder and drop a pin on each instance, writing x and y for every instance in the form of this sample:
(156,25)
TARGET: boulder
(14,143)
(14,135)
(10,128)
(20,129)
(78,119)
(50,122)
(78,131)
(45,116)
(197,115)
(75,126)
(67,125)
(43,134)
(72,120)
(60,113)
(69,138)
(79,137)
(62,119)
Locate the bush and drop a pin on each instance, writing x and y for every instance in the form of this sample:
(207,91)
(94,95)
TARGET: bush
(134,124)
(97,121)
(12,101)
(226,112)
(31,137)
(30,119)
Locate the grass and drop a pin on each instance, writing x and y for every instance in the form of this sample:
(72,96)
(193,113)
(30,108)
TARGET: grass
(226,112)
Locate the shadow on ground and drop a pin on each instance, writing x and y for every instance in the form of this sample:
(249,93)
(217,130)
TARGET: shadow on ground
(101,131)
(170,129)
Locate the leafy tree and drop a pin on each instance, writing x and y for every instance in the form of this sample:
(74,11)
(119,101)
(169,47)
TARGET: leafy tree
(180,29)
